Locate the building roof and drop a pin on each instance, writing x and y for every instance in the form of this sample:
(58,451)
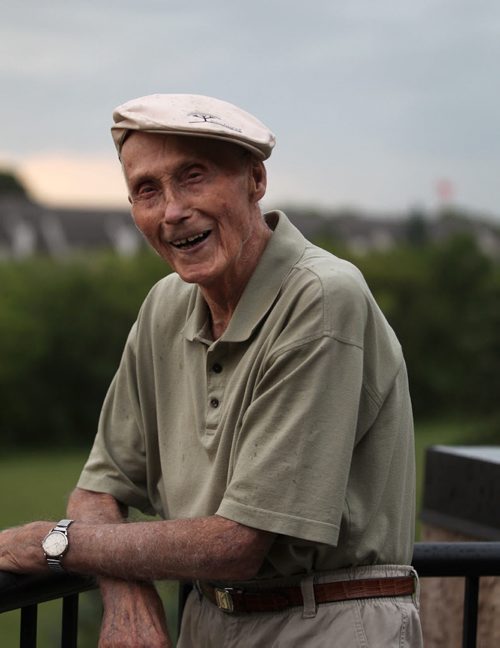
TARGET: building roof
(28,228)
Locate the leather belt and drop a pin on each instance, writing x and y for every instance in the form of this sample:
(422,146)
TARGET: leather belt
(233,599)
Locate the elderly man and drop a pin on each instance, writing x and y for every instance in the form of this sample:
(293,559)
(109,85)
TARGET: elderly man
(261,409)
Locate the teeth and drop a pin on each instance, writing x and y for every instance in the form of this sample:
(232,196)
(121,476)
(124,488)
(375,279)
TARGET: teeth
(191,239)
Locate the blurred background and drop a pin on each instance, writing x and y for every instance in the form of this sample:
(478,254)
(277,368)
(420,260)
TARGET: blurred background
(388,153)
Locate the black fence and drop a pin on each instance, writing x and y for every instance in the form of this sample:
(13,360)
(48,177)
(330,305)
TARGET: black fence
(470,560)
(25,593)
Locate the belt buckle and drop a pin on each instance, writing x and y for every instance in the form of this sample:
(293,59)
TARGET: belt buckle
(224,599)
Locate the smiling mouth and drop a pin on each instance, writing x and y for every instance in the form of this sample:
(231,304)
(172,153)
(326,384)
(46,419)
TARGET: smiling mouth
(190,241)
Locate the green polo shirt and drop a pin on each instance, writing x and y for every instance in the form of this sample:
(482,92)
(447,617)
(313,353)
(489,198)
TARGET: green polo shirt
(297,420)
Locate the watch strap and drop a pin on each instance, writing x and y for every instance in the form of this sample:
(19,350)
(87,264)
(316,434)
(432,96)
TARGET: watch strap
(62,526)
(55,565)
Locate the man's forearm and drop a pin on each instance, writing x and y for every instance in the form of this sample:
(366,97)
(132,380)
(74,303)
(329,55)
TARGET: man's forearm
(204,548)
(201,548)
(102,508)
(96,508)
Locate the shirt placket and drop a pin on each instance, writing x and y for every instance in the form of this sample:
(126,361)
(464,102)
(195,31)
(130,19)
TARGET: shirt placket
(216,383)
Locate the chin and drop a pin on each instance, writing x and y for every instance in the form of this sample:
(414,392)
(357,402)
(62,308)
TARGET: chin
(194,277)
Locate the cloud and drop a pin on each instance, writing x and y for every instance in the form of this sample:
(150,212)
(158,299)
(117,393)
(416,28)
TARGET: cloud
(366,89)
(70,180)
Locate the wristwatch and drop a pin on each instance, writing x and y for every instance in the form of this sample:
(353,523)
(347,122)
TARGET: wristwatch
(56,544)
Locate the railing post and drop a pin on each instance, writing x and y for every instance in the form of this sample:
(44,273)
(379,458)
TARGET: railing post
(69,632)
(28,626)
(471,598)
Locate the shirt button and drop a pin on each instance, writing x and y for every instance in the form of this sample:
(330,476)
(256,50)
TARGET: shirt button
(217,368)
(214,403)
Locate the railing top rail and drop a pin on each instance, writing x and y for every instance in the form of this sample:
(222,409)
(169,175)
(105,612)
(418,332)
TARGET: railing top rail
(457,558)
(18,591)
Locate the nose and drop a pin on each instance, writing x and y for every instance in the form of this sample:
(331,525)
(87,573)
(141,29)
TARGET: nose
(175,210)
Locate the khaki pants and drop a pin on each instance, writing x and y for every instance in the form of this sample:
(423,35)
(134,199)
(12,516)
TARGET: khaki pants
(367,623)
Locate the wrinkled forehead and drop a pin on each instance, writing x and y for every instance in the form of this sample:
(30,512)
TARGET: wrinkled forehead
(142,145)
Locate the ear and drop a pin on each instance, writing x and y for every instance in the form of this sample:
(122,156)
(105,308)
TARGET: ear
(257,180)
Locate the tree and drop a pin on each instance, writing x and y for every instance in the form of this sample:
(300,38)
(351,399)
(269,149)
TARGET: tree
(11,185)
(417,228)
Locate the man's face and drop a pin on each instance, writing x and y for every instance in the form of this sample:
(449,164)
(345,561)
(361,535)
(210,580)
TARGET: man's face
(195,201)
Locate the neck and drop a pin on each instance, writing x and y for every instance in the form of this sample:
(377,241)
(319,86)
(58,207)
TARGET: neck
(223,295)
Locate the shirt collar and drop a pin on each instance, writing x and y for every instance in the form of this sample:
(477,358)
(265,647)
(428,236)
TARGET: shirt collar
(284,249)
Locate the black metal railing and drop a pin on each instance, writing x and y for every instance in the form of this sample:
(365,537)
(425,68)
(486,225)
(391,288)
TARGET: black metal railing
(469,560)
(25,593)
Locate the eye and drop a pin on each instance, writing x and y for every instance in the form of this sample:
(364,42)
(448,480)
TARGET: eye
(193,174)
(144,191)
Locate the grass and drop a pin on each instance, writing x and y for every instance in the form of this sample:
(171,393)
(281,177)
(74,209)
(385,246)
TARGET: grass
(35,485)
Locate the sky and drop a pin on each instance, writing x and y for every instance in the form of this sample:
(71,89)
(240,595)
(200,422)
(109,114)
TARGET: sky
(377,105)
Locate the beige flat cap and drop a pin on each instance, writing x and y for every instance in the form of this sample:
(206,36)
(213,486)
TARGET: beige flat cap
(194,115)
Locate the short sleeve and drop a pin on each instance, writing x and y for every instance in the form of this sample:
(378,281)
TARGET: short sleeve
(117,462)
(293,453)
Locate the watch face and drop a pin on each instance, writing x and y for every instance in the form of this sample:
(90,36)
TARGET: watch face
(55,544)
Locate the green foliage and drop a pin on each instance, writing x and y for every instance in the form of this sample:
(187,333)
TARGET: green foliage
(443,301)
(417,229)
(63,326)
(62,330)
(11,185)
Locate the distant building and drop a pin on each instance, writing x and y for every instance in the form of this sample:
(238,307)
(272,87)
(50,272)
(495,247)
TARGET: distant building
(28,228)
(364,233)
(360,233)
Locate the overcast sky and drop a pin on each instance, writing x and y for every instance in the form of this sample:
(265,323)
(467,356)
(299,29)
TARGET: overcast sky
(373,102)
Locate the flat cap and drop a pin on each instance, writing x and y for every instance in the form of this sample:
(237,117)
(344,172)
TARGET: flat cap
(193,115)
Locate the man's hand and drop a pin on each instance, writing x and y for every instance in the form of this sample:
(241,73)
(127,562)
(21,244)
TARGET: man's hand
(133,617)
(133,612)
(21,548)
